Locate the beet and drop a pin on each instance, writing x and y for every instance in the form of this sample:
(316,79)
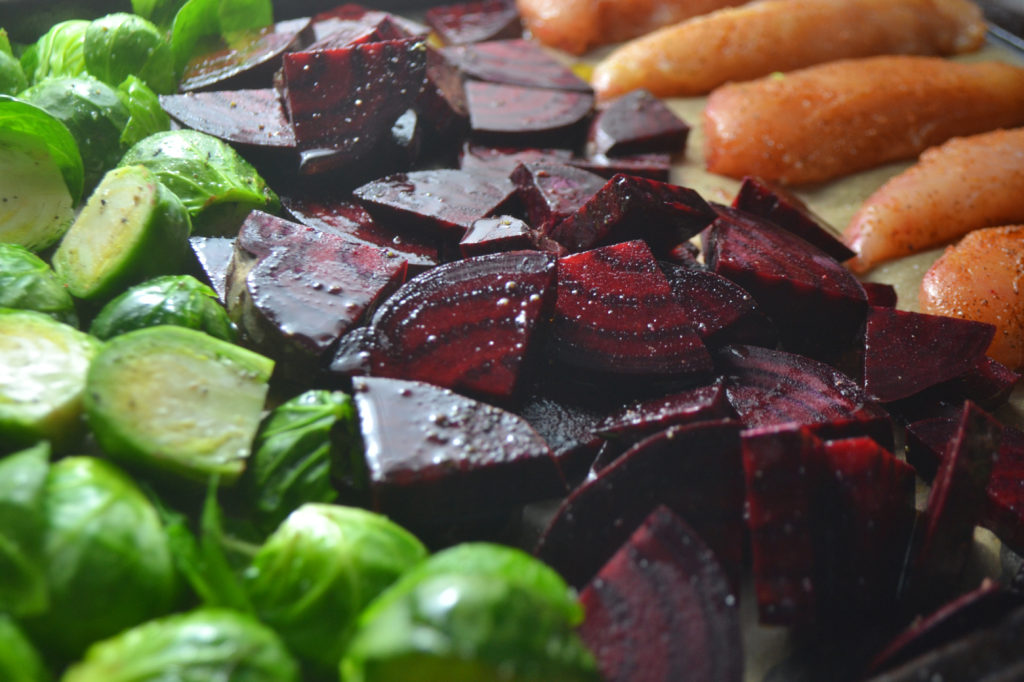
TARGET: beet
(352,222)
(213,256)
(906,352)
(505,233)
(629,207)
(663,610)
(250,62)
(776,203)
(353,356)
(499,162)
(569,428)
(644,418)
(435,457)
(518,116)
(432,203)
(816,304)
(655,166)
(988,383)
(880,295)
(615,315)
(719,309)
(769,387)
(330,21)
(551,192)
(372,27)
(466,325)
(637,123)
(695,470)
(254,118)
(442,103)
(515,62)
(474,22)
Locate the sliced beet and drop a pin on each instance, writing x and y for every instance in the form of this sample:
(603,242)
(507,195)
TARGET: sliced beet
(615,315)
(250,61)
(330,21)
(551,192)
(254,118)
(475,22)
(569,428)
(294,290)
(630,207)
(353,356)
(662,609)
(515,62)
(637,123)
(880,295)
(434,457)
(988,383)
(655,166)
(432,203)
(370,28)
(644,418)
(345,99)
(779,205)
(466,325)
(906,352)
(351,221)
(718,308)
(499,162)
(817,305)
(505,233)
(695,470)
(213,256)
(519,116)
(442,103)
(770,387)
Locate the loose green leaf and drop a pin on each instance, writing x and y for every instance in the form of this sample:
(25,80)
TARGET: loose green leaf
(60,52)
(196,20)
(145,115)
(19,660)
(27,126)
(28,283)
(121,44)
(22,523)
(160,12)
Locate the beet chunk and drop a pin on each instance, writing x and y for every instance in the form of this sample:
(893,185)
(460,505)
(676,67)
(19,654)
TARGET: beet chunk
(879,294)
(656,166)
(518,116)
(568,427)
(644,418)
(694,469)
(662,609)
(465,325)
(442,104)
(338,18)
(615,315)
(505,233)
(629,207)
(475,22)
(515,62)
(372,27)
(637,123)
(551,192)
(434,457)
(247,117)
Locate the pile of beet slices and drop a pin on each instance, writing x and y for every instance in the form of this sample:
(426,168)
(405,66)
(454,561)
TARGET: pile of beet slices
(506,280)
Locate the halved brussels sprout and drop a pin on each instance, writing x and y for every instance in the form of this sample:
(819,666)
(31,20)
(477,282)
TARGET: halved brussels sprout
(58,52)
(28,283)
(22,523)
(19,660)
(123,44)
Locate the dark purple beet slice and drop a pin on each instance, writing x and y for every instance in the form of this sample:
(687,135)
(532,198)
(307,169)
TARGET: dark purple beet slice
(247,117)
(988,383)
(645,418)
(654,166)
(329,21)
(353,356)
(294,290)
(466,325)
(783,468)
(926,443)
(630,207)
(213,255)
(719,309)
(442,104)
(432,203)
(351,221)
(663,609)
(515,62)
(505,233)
(637,123)
(816,304)
(568,428)
(779,205)
(369,28)
(695,470)
(346,99)
(434,457)
(615,314)
(879,294)
(519,116)
(955,504)
(906,352)
(551,192)
(499,162)
(475,22)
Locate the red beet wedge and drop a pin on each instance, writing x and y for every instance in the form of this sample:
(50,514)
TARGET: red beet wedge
(615,315)
(372,27)
(663,610)
(442,103)
(465,325)
(551,192)
(569,428)
(332,20)
(474,22)
(637,123)
(656,166)
(253,118)
(515,62)
(519,116)
(505,233)
(645,418)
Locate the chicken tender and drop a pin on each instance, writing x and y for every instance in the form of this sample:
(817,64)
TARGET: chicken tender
(827,121)
(742,43)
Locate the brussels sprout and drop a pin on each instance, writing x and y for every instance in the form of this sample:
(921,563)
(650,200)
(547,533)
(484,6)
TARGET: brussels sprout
(200,646)
(22,578)
(108,562)
(145,115)
(317,571)
(131,229)
(28,283)
(93,113)
(174,399)
(12,76)
(218,187)
(467,628)
(123,44)
(180,300)
(160,12)
(59,52)
(291,462)
(19,660)
(45,364)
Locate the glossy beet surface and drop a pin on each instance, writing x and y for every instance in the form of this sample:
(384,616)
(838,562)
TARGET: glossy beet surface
(516,115)
(637,123)
(515,62)
(551,192)
(474,22)
(248,117)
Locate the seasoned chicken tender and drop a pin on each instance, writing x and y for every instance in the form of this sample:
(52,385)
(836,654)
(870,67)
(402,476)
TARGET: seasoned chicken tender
(827,121)
(578,25)
(742,43)
(965,184)
(982,279)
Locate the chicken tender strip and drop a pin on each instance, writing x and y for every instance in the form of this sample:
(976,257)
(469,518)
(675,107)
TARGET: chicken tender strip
(965,184)
(578,25)
(738,44)
(830,120)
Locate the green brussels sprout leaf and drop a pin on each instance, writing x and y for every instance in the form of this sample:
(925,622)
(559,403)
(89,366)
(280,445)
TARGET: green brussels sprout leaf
(28,283)
(237,16)
(160,12)
(60,52)
(203,25)
(121,44)
(19,660)
(22,523)
(145,115)
(27,126)
(12,75)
